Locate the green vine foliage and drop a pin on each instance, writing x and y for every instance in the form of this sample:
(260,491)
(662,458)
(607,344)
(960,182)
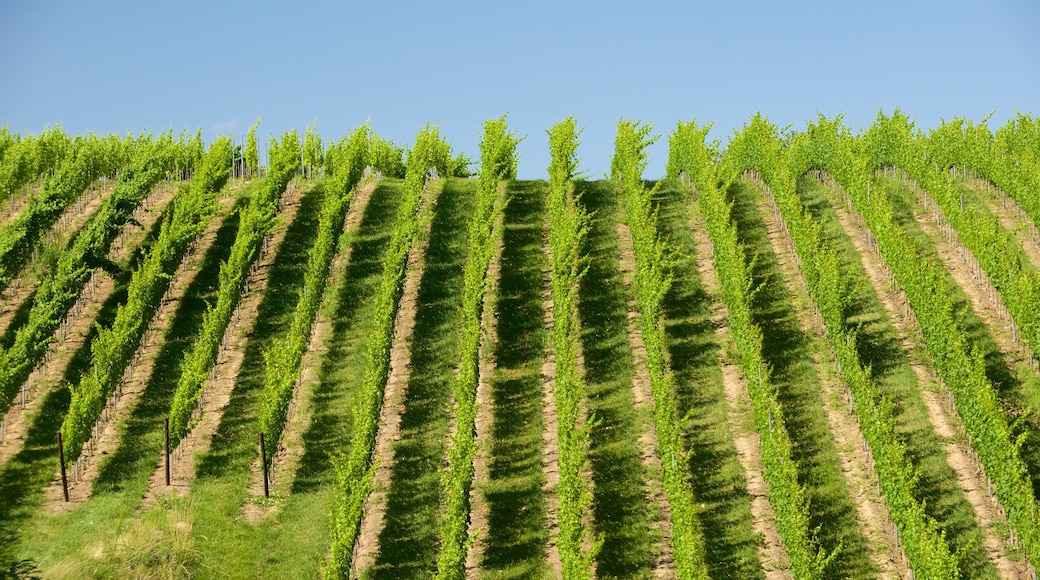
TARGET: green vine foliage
(568,226)
(283,360)
(498,163)
(86,160)
(256,222)
(693,157)
(114,347)
(653,279)
(59,291)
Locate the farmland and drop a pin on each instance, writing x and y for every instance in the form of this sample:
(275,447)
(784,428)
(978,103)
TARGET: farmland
(800,354)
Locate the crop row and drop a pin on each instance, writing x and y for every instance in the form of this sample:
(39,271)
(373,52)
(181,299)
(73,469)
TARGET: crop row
(114,347)
(652,281)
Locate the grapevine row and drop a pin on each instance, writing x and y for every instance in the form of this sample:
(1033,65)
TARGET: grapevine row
(652,282)
(959,363)
(996,249)
(354,466)
(87,251)
(757,145)
(256,222)
(1010,159)
(88,159)
(689,155)
(568,225)
(28,158)
(114,347)
(498,162)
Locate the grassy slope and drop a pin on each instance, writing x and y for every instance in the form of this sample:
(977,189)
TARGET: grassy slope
(881,349)
(620,503)
(299,532)
(123,476)
(223,474)
(517,527)
(1014,384)
(25,475)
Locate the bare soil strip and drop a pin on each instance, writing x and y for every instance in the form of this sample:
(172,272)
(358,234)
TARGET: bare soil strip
(478,513)
(11,207)
(51,372)
(946,424)
(771,551)
(72,334)
(856,462)
(136,379)
(366,550)
(287,457)
(664,561)
(19,290)
(217,391)
(550,421)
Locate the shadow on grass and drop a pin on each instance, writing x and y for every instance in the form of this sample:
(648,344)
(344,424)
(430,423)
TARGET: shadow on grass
(343,364)
(517,527)
(788,352)
(408,540)
(620,498)
(880,348)
(717,478)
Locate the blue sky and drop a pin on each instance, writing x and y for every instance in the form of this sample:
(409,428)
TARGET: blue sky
(128,66)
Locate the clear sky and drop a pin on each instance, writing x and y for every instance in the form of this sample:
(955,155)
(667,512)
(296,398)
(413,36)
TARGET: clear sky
(123,66)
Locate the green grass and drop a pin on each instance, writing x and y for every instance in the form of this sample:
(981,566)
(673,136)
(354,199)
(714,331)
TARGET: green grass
(621,507)
(123,476)
(230,546)
(881,349)
(343,366)
(715,472)
(790,354)
(1016,385)
(517,530)
(300,526)
(408,540)
(25,475)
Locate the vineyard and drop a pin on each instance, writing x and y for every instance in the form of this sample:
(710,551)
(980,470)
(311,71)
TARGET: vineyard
(801,354)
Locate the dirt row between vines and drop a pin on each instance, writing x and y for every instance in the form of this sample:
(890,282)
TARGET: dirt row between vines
(73,333)
(771,552)
(961,264)
(11,207)
(663,565)
(1011,216)
(217,391)
(373,513)
(943,421)
(485,419)
(550,419)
